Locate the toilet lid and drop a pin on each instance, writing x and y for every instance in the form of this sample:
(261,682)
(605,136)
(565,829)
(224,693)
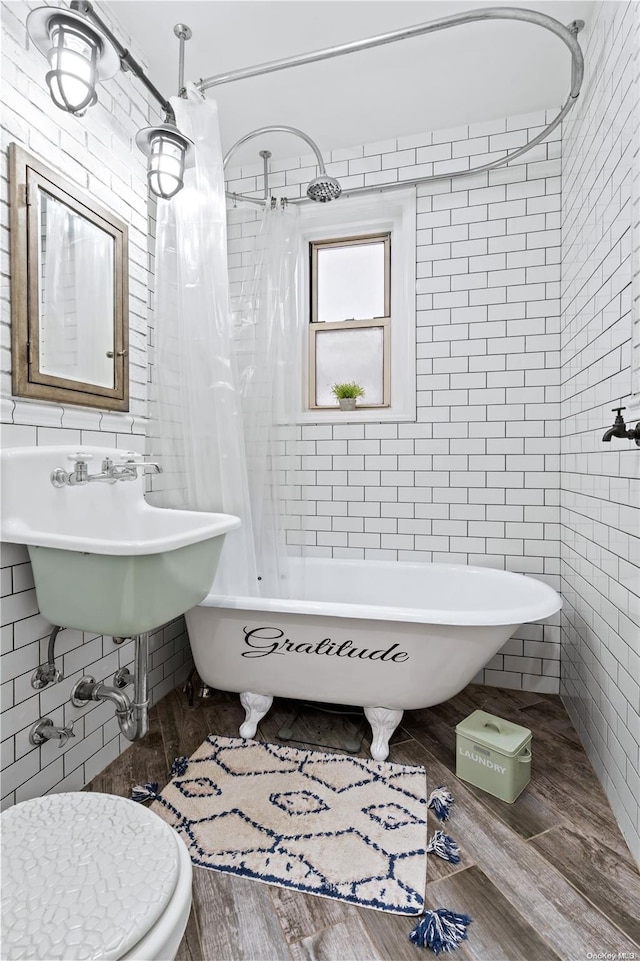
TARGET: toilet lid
(84,876)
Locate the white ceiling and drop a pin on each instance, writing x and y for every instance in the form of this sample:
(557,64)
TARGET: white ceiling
(470,73)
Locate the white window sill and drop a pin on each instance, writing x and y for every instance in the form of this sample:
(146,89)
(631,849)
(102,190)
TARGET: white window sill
(367,416)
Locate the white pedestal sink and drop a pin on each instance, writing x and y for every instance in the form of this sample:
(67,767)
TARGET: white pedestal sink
(104,560)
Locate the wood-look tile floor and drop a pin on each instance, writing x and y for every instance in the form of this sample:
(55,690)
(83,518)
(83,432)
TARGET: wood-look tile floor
(547,877)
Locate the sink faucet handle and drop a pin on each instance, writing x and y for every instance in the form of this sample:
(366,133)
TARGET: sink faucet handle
(44,730)
(65,733)
(80,473)
(80,455)
(618,412)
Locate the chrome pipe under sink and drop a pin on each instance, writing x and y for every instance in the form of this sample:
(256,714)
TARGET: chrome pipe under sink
(133,716)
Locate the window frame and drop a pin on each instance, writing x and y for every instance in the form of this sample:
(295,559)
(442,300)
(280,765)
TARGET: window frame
(393,212)
(382,322)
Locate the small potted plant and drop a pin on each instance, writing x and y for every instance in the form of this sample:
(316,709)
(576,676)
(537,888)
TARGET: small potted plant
(347,394)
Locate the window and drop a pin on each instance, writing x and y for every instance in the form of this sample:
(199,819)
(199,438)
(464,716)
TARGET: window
(358,293)
(350,300)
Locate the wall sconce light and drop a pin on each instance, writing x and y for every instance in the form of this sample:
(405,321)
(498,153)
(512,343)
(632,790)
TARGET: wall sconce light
(169,152)
(82,51)
(79,54)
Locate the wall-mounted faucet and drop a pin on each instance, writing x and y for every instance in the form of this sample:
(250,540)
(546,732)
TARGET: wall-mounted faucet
(621,430)
(110,473)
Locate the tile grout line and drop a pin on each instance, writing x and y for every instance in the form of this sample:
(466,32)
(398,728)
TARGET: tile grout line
(456,870)
(540,834)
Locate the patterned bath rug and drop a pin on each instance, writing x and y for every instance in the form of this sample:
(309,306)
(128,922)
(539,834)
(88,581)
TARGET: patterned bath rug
(340,827)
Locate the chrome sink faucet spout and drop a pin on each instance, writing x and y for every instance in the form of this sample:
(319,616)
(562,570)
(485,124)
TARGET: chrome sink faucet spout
(110,473)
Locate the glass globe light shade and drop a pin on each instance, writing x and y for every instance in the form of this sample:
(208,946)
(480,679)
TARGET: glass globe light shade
(165,169)
(73,59)
(168,153)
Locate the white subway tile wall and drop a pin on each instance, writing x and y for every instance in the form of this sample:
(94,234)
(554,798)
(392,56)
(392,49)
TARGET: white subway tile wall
(600,495)
(475,479)
(97,153)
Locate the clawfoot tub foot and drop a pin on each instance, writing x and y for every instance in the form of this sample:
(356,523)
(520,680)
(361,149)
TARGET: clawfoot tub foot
(255,706)
(383,723)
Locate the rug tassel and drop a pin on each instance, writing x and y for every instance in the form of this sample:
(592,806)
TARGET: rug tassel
(179,766)
(145,792)
(444,846)
(440,801)
(440,930)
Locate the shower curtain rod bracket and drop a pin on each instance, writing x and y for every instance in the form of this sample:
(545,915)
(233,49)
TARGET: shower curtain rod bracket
(183,33)
(265,154)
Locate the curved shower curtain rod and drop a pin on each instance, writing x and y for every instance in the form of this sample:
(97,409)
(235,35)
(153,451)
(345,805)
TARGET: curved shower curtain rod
(568,34)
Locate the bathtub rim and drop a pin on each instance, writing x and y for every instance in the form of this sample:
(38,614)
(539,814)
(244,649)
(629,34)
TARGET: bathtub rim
(546,602)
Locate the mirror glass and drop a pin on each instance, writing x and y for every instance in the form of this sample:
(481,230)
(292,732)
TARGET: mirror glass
(69,291)
(75,295)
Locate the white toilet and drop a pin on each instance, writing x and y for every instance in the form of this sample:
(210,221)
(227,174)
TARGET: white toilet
(88,876)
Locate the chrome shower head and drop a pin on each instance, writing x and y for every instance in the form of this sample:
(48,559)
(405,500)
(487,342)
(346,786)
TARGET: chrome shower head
(324,188)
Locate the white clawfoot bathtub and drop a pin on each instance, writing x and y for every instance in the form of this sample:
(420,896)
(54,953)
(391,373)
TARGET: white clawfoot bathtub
(389,636)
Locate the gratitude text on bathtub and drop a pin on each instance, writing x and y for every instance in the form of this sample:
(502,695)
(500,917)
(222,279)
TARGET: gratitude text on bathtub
(263,641)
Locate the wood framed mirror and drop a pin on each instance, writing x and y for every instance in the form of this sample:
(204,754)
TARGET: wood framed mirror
(69,291)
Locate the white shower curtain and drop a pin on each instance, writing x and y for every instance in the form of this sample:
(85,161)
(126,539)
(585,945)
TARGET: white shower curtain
(268,339)
(196,423)
(225,388)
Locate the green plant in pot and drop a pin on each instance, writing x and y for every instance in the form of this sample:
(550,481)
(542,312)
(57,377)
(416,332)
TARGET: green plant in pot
(347,394)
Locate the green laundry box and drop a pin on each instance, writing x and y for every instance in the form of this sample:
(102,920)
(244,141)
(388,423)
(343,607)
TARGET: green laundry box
(493,754)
